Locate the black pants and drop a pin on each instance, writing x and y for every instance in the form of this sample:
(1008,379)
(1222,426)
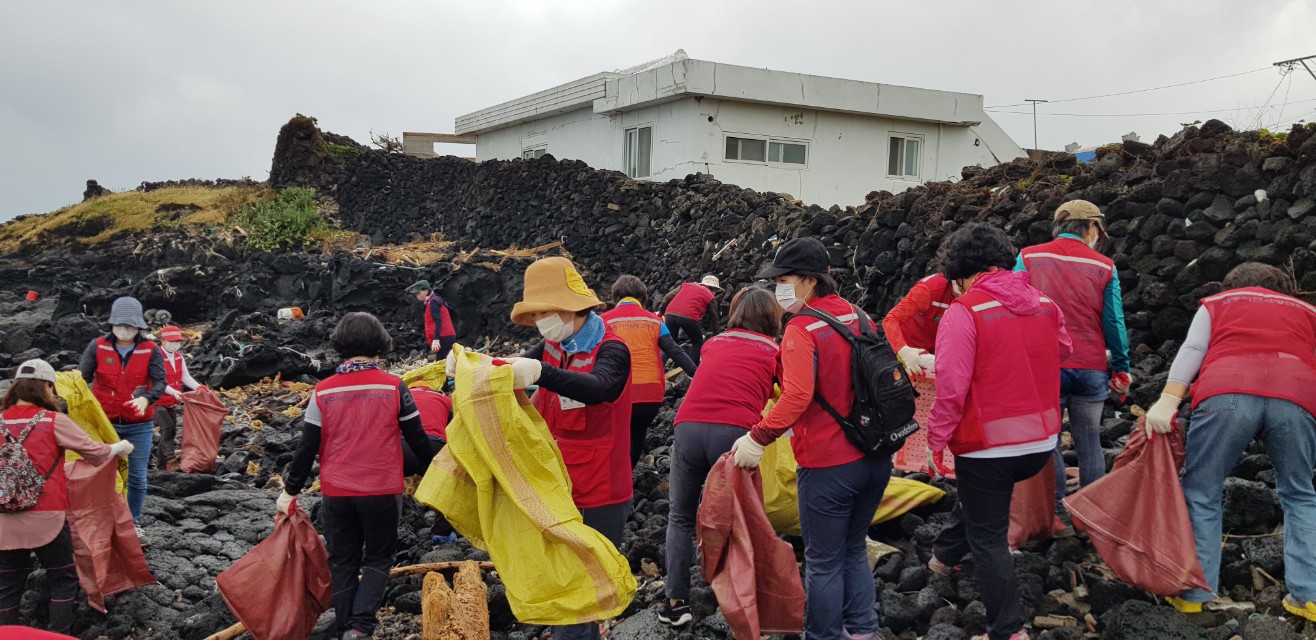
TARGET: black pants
(445,346)
(642,415)
(676,324)
(411,466)
(167,419)
(361,534)
(62,577)
(980,524)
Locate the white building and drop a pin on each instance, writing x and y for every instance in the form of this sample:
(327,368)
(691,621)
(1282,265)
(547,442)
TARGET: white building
(822,140)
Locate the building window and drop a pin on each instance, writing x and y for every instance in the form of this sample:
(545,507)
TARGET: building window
(639,151)
(531,154)
(787,152)
(747,149)
(767,150)
(905,158)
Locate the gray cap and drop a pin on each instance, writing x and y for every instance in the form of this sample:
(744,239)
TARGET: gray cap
(127,311)
(36,370)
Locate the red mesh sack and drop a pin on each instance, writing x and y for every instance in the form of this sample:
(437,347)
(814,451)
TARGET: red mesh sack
(280,588)
(1033,508)
(752,571)
(1137,519)
(106,550)
(203,419)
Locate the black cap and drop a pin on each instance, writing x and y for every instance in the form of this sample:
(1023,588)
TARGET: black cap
(801,255)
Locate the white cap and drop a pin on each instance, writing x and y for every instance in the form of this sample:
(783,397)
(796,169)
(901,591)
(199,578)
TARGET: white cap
(711,281)
(36,370)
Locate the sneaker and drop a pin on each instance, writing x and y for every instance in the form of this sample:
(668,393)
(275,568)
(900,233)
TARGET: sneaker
(448,539)
(1020,635)
(141,536)
(353,634)
(675,615)
(1184,606)
(1307,611)
(940,568)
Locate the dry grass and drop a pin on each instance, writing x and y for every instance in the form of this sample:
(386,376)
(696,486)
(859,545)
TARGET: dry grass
(101,218)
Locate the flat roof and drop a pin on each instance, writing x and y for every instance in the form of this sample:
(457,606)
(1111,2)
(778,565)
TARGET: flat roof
(612,92)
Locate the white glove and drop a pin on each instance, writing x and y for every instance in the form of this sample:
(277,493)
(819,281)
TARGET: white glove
(747,452)
(1162,414)
(285,501)
(174,392)
(452,365)
(140,404)
(121,449)
(909,357)
(525,371)
(929,364)
(435,345)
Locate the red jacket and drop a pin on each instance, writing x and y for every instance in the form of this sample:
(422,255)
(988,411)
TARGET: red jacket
(173,378)
(44,451)
(595,440)
(116,384)
(1014,393)
(640,330)
(691,301)
(1075,277)
(736,373)
(1262,343)
(435,411)
(447,331)
(360,451)
(914,320)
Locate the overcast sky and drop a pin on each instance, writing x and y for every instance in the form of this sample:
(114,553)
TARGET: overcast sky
(130,91)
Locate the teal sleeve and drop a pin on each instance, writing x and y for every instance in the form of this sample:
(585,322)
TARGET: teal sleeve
(664,332)
(1112,324)
(1019,263)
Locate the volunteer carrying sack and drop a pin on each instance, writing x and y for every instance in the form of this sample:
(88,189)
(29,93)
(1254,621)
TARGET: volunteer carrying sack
(882,416)
(20,482)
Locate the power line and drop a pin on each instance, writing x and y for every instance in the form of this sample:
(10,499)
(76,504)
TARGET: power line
(1125,93)
(1132,115)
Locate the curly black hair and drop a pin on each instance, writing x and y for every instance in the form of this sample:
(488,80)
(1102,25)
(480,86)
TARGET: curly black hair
(975,248)
(360,334)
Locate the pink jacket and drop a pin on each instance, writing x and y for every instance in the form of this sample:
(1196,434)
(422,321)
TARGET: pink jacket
(957,348)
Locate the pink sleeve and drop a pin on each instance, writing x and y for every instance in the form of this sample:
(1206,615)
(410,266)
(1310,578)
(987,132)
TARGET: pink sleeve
(956,348)
(70,436)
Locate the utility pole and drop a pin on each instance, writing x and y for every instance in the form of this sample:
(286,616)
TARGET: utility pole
(1035,117)
(1289,64)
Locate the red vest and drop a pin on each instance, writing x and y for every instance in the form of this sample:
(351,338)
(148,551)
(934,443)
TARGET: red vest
(44,451)
(818,441)
(1014,396)
(595,440)
(435,411)
(640,330)
(691,301)
(921,330)
(734,383)
(360,440)
(1262,343)
(173,377)
(115,384)
(1075,277)
(448,330)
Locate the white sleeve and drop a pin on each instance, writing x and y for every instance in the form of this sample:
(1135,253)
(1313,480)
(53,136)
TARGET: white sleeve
(1188,362)
(188,381)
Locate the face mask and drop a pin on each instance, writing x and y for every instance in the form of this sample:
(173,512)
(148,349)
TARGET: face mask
(173,347)
(786,297)
(956,289)
(554,329)
(124,334)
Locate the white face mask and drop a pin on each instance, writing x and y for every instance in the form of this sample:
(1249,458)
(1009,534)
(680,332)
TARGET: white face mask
(786,297)
(124,334)
(172,347)
(554,329)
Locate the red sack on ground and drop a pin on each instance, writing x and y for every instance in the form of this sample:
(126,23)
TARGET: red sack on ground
(1137,519)
(280,588)
(1033,508)
(106,550)
(203,419)
(752,571)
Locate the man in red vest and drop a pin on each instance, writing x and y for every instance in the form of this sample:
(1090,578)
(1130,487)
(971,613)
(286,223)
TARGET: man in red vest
(1086,286)
(1252,351)
(689,304)
(440,333)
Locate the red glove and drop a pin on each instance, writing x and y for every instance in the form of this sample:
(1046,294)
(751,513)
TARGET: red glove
(1120,381)
(934,464)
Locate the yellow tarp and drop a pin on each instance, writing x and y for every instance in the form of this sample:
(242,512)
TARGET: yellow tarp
(434,375)
(781,503)
(502,484)
(87,412)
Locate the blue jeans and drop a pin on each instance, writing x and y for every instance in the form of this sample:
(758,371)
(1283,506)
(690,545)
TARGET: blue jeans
(836,508)
(1221,428)
(140,435)
(1083,393)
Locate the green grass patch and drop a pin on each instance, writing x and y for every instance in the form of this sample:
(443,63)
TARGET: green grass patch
(288,220)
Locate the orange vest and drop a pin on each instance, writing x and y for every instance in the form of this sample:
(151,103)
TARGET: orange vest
(640,330)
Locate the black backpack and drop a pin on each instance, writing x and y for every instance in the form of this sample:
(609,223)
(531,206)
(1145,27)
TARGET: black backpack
(883,413)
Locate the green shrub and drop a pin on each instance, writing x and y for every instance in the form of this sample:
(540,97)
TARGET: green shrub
(286,221)
(342,150)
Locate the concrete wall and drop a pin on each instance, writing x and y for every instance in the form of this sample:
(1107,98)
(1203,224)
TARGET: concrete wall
(848,153)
